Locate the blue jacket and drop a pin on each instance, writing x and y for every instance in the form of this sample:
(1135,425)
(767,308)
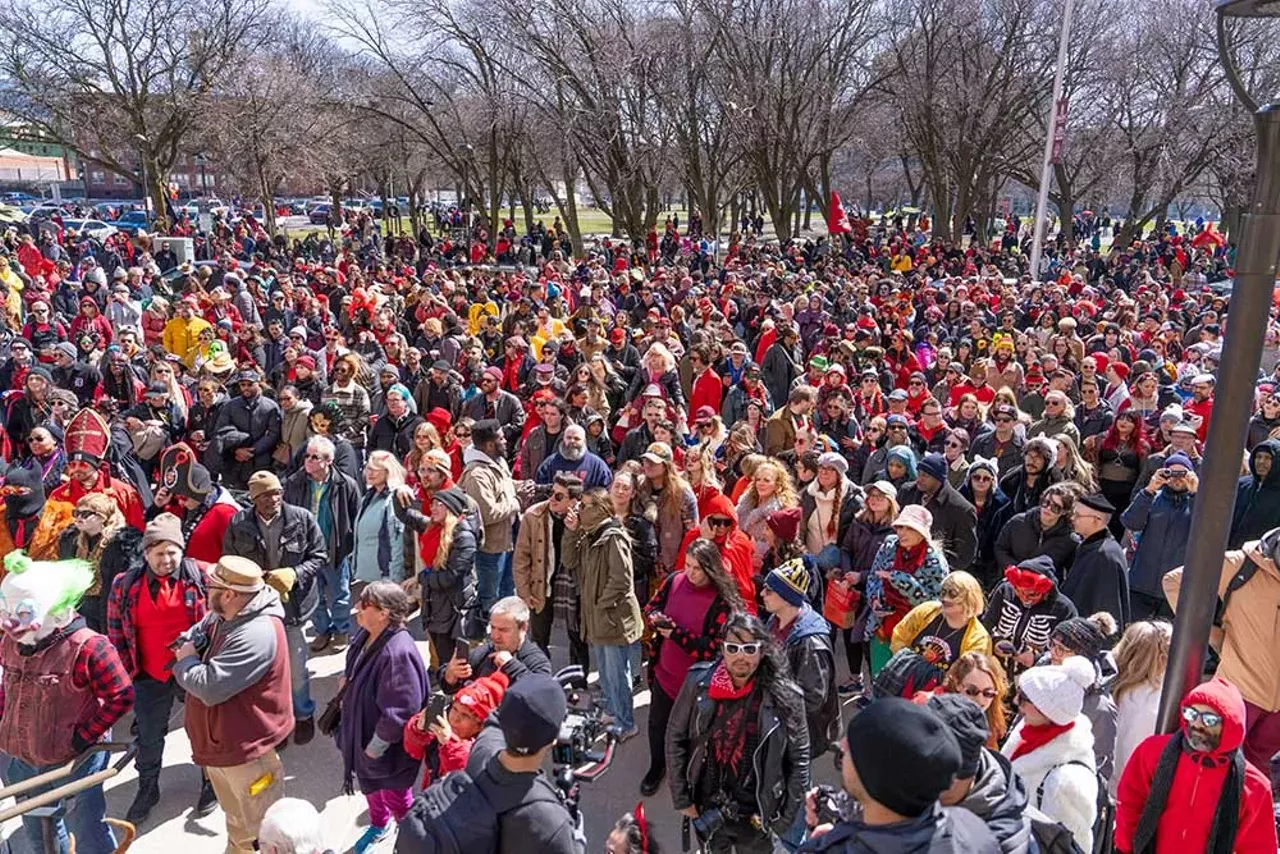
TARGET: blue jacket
(1164,521)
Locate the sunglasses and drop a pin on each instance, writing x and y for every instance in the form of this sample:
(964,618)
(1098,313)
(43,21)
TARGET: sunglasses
(986,693)
(1052,506)
(916,384)
(1190,715)
(731,648)
(954,445)
(316,457)
(559,496)
(462,434)
(981,478)
(719,522)
(84,514)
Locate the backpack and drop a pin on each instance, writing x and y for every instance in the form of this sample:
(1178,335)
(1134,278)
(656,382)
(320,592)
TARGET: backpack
(459,814)
(1054,838)
(1246,571)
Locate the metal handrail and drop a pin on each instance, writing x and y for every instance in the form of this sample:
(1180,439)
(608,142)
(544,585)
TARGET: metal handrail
(75,787)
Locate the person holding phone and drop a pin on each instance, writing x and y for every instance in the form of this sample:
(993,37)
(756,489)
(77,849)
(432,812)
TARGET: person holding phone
(1161,514)
(509,649)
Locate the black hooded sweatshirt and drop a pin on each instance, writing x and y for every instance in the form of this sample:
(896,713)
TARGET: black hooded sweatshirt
(1027,626)
(1257,499)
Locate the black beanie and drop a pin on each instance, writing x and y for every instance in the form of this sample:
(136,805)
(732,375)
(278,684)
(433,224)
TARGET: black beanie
(904,754)
(968,723)
(1082,636)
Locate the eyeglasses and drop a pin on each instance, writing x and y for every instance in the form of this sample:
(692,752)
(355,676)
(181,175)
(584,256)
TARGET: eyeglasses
(731,648)
(986,693)
(1020,699)
(84,514)
(559,496)
(317,457)
(1190,715)
(951,444)
(462,434)
(1052,506)
(719,522)
(916,384)
(981,478)
(897,428)
(1053,403)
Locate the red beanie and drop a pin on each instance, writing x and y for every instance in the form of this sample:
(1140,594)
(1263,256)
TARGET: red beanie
(440,419)
(1121,369)
(785,524)
(483,695)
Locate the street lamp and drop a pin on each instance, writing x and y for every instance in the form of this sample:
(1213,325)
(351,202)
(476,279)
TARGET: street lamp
(1051,145)
(467,149)
(1251,297)
(146,189)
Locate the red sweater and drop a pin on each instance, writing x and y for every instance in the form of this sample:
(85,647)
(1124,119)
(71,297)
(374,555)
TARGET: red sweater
(707,390)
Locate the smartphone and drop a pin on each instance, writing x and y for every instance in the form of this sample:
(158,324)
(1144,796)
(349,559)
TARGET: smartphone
(461,649)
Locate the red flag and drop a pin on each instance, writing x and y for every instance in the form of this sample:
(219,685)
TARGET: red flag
(838,222)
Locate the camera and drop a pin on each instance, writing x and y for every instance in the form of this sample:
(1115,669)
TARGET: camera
(575,757)
(709,823)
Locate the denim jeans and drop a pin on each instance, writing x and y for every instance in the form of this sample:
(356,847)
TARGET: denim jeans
(151,707)
(614,664)
(88,809)
(299,678)
(333,601)
(493,578)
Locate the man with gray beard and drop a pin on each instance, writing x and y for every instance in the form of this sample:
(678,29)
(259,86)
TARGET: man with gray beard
(573,457)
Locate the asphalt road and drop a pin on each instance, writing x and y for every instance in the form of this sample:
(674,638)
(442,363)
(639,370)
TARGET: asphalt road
(314,772)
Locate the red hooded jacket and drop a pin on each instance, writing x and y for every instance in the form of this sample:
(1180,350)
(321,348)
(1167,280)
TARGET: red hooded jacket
(737,550)
(1197,786)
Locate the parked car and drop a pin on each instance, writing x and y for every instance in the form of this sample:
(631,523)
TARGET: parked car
(132,222)
(95,228)
(320,214)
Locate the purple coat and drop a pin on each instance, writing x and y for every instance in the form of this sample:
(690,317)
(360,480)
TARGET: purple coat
(386,692)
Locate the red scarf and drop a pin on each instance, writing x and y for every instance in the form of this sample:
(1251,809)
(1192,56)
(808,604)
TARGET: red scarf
(1035,737)
(722,688)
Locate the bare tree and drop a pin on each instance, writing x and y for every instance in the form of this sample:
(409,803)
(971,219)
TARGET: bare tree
(970,80)
(274,113)
(123,82)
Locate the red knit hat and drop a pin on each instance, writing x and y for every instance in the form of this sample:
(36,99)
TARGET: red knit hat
(785,524)
(1121,369)
(440,419)
(483,695)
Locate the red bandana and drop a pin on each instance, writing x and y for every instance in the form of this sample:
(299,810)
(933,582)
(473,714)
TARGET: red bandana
(722,688)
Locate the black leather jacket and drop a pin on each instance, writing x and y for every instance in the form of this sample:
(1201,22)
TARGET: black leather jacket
(781,760)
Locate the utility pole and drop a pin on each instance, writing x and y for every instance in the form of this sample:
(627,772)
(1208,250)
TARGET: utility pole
(1051,132)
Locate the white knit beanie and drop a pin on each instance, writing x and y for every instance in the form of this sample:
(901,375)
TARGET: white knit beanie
(1058,690)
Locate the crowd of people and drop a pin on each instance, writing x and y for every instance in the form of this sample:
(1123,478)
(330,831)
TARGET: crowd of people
(703,474)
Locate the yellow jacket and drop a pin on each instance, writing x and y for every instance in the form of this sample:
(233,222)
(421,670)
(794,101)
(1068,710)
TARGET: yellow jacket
(1246,643)
(182,336)
(975,637)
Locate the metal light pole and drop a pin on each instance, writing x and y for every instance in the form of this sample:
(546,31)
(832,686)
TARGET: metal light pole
(1046,168)
(1250,308)
(467,149)
(146,189)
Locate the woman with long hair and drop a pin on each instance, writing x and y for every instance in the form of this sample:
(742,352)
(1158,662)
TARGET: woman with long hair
(636,519)
(378,543)
(980,677)
(386,685)
(425,438)
(166,373)
(47,459)
(907,571)
(700,472)
(444,565)
(687,614)
(740,445)
(1120,456)
(1265,421)
(1073,466)
(100,535)
(771,490)
(677,508)
(1141,657)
